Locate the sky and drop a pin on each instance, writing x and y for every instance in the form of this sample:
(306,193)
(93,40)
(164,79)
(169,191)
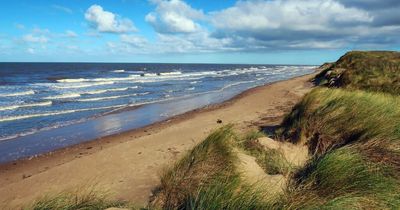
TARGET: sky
(195,31)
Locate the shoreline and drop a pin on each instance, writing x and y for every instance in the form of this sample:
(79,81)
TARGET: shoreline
(30,167)
(137,131)
(117,121)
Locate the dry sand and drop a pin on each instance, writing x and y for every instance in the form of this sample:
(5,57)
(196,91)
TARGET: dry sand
(256,176)
(129,164)
(296,155)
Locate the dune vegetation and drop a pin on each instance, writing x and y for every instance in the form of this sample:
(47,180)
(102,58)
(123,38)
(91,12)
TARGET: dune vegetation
(354,138)
(350,126)
(372,71)
(84,198)
(207,178)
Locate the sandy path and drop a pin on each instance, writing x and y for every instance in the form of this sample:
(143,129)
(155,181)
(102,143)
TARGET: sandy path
(128,164)
(256,176)
(297,155)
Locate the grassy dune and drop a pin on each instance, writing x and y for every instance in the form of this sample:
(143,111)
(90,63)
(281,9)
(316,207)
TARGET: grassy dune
(373,71)
(355,139)
(330,118)
(353,133)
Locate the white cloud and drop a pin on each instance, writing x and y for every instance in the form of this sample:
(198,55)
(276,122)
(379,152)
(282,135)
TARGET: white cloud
(170,43)
(134,40)
(306,15)
(72,49)
(293,24)
(248,25)
(174,16)
(255,25)
(37,30)
(261,26)
(62,8)
(105,21)
(32,38)
(195,42)
(70,34)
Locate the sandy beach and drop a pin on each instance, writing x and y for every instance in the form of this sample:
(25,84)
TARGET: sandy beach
(128,164)
(200,105)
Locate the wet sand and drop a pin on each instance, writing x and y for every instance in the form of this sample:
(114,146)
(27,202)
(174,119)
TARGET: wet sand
(128,164)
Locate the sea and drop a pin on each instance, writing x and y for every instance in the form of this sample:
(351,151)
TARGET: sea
(47,106)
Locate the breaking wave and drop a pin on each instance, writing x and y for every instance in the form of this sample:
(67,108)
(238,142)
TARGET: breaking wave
(29,92)
(64,96)
(21,117)
(12,107)
(118,71)
(106,98)
(85,85)
(104,91)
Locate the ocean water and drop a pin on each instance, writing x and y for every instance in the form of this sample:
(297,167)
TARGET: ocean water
(37,98)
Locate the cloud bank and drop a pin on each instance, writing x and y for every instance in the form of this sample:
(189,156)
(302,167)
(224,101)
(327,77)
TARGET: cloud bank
(261,25)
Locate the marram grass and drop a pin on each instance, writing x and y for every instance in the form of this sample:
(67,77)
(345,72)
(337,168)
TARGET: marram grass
(354,136)
(79,199)
(271,160)
(372,71)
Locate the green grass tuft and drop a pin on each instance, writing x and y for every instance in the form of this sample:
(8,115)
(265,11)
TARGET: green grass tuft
(210,159)
(274,162)
(81,199)
(372,71)
(271,160)
(227,193)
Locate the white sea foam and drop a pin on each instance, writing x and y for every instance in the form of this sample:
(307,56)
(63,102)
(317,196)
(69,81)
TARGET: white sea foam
(150,74)
(118,71)
(174,75)
(144,77)
(171,73)
(106,98)
(111,79)
(191,88)
(29,92)
(17,106)
(64,96)
(130,77)
(106,90)
(202,73)
(234,84)
(84,85)
(95,92)
(21,117)
(71,80)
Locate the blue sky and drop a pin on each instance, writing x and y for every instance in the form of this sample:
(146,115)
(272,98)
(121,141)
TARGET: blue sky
(226,31)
